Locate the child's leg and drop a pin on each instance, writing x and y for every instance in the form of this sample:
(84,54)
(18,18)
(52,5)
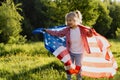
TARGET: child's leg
(69,75)
(78,58)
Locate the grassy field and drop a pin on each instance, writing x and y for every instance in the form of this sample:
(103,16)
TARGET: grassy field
(31,61)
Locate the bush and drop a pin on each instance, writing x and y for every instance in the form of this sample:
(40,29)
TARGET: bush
(10,23)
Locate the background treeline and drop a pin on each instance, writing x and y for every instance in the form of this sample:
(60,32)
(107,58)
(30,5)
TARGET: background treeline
(19,17)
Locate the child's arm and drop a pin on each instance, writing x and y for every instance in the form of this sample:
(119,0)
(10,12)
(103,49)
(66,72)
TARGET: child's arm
(60,33)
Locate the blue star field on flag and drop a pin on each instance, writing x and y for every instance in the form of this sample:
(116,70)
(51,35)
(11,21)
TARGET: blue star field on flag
(52,42)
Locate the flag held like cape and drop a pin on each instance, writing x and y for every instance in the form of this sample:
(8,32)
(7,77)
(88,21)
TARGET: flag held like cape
(99,63)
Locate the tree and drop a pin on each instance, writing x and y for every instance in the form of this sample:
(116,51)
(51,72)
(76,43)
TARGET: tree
(46,13)
(10,23)
(88,8)
(51,13)
(41,13)
(104,20)
(115,15)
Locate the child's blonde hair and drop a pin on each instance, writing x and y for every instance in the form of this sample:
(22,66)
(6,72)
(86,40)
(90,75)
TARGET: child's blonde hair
(75,14)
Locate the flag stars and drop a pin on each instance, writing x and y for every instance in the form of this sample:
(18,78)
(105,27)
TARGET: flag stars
(54,46)
(54,42)
(63,39)
(48,42)
(48,38)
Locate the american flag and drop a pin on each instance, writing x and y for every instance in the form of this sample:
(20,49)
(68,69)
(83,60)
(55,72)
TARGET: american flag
(93,65)
(52,42)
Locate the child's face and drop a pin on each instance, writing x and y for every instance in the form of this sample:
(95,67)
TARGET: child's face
(71,22)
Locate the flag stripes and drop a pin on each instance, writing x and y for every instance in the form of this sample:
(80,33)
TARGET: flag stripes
(97,75)
(94,64)
(97,65)
(92,42)
(62,54)
(95,59)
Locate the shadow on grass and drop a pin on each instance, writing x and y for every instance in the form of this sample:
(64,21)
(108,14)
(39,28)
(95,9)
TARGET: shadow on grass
(4,73)
(117,54)
(38,72)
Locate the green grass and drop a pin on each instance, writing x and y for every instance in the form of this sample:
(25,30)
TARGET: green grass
(31,61)
(24,67)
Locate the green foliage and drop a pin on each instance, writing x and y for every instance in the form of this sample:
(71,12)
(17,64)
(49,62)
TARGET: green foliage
(104,20)
(50,13)
(46,13)
(28,48)
(115,15)
(10,23)
(42,13)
